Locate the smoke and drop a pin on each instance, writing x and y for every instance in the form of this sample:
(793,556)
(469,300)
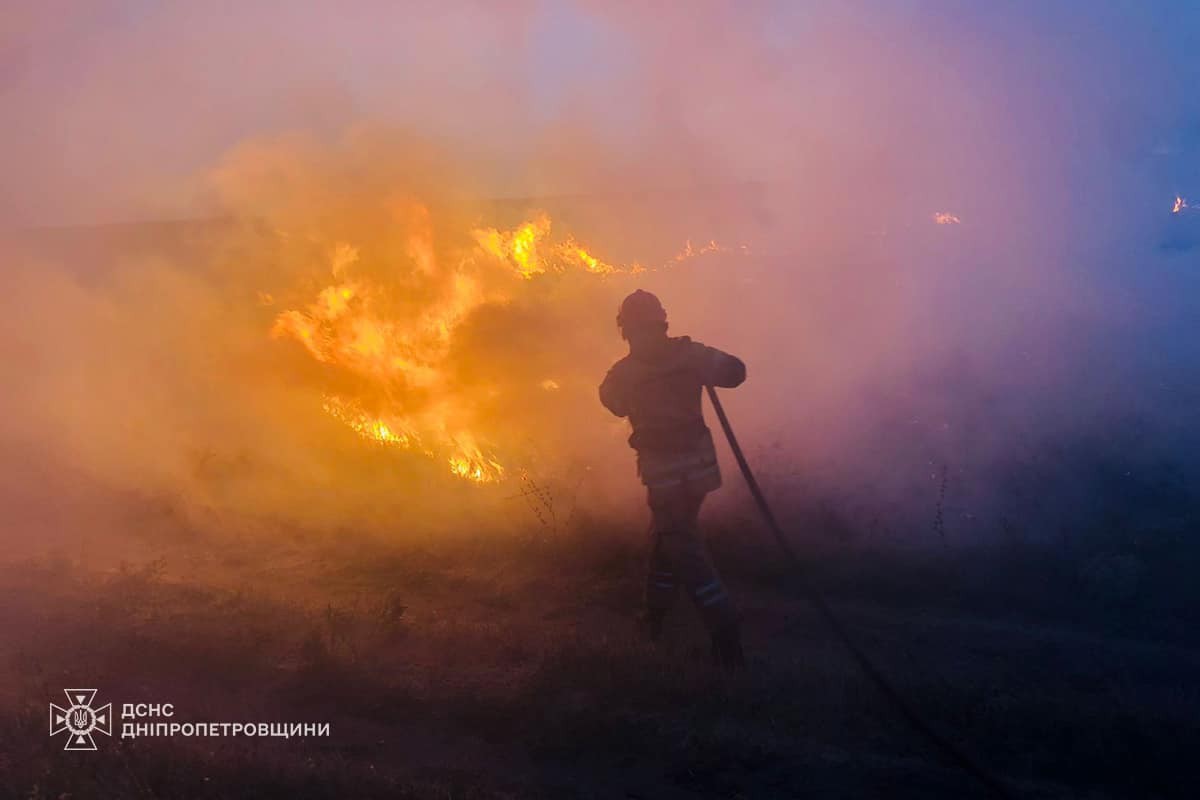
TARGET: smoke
(1041,328)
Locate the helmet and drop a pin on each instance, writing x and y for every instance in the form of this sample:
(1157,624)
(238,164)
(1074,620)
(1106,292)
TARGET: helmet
(639,308)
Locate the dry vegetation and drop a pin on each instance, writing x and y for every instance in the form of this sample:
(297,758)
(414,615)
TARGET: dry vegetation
(513,669)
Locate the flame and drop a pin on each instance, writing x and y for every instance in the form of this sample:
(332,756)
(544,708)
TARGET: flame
(470,462)
(394,342)
(945,218)
(591,263)
(529,250)
(688,252)
(1180,204)
(372,429)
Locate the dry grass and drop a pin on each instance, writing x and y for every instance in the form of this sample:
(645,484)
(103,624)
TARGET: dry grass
(512,669)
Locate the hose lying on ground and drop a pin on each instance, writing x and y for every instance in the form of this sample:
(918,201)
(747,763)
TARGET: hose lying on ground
(948,749)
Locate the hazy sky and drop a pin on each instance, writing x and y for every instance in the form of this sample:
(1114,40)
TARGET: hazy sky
(106,102)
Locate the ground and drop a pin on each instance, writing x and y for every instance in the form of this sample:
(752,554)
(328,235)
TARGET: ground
(514,668)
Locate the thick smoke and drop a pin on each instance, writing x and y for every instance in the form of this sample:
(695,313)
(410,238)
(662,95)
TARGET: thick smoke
(997,367)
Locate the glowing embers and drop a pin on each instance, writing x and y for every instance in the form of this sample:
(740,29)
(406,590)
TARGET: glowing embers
(945,218)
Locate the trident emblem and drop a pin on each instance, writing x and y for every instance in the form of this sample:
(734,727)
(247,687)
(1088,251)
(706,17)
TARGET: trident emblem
(80,720)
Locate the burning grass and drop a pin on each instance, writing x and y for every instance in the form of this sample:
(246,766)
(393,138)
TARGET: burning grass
(401,353)
(363,324)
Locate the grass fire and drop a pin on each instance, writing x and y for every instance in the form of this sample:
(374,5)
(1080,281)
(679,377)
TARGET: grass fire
(592,400)
(395,338)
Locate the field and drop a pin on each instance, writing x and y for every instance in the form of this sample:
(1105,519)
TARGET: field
(488,667)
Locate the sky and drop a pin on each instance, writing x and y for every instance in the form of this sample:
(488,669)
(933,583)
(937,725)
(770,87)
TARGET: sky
(118,94)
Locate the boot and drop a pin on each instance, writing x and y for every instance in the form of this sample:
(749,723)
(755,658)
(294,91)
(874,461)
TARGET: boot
(727,648)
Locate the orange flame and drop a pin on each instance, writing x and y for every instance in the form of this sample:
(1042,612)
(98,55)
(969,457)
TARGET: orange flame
(351,326)
(528,249)
(945,218)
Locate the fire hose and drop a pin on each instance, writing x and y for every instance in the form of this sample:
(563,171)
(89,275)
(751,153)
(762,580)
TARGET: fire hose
(952,753)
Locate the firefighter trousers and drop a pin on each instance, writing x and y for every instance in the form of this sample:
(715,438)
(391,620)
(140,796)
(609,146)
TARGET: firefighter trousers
(679,558)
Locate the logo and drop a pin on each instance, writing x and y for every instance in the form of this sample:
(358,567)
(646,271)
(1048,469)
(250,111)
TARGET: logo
(80,720)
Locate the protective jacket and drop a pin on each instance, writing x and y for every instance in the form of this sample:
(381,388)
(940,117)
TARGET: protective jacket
(659,391)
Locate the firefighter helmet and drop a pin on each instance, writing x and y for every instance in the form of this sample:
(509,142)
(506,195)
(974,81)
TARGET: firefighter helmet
(639,308)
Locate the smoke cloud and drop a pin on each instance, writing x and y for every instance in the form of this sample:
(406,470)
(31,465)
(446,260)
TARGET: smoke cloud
(943,239)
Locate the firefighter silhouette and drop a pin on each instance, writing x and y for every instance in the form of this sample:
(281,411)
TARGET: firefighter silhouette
(658,387)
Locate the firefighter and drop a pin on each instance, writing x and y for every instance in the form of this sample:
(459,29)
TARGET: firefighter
(658,386)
